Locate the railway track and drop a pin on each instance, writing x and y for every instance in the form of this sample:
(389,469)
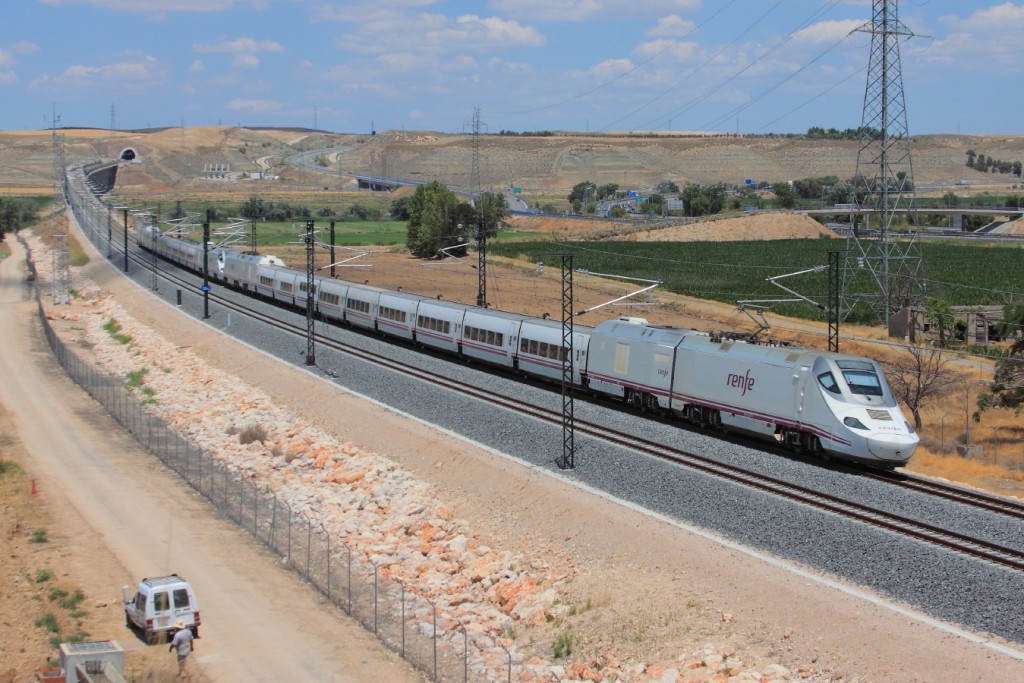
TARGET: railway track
(961,543)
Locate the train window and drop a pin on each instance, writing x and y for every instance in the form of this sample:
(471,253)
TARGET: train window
(524,346)
(491,338)
(829,382)
(542,349)
(266,281)
(286,286)
(863,382)
(499,339)
(447,327)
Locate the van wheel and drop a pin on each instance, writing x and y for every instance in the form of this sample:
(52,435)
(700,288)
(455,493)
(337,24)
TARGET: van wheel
(150,637)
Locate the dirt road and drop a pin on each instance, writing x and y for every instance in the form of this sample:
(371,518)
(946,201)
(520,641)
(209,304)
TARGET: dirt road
(260,622)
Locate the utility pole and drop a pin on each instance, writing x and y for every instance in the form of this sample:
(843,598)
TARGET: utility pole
(481,232)
(206,266)
(332,250)
(124,235)
(310,294)
(833,301)
(568,460)
(886,272)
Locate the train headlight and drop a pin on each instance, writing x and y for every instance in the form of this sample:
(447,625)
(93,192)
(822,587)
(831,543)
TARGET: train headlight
(854,423)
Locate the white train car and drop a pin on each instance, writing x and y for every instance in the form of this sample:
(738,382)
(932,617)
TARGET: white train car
(815,401)
(632,360)
(361,306)
(439,325)
(541,349)
(396,314)
(331,296)
(491,336)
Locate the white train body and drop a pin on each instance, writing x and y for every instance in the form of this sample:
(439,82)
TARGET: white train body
(825,403)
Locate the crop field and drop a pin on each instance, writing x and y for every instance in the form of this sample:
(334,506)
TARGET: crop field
(729,271)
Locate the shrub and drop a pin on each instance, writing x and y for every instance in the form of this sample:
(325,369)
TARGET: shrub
(49,622)
(44,575)
(562,647)
(38,536)
(251,434)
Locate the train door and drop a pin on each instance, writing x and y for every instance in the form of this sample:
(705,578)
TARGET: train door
(800,374)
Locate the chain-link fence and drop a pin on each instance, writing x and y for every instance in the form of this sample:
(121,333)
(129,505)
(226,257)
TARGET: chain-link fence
(407,623)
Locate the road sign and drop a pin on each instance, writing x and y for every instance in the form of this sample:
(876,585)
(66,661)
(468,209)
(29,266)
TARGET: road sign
(517,190)
(205,288)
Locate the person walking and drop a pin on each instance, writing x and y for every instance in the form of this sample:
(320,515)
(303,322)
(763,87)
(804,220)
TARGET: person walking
(183,643)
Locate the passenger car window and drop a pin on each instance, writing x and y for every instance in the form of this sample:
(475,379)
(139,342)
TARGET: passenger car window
(161,602)
(180,598)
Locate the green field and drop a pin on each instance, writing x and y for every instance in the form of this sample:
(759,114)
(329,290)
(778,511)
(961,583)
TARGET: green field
(729,271)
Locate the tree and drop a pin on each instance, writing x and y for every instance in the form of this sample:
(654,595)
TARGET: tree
(400,209)
(492,209)
(785,194)
(971,156)
(1008,382)
(581,193)
(939,315)
(433,220)
(921,374)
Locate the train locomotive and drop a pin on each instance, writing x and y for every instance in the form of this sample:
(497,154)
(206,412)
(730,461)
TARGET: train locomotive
(825,404)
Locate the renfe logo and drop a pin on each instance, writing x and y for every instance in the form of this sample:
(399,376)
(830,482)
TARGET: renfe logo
(743,382)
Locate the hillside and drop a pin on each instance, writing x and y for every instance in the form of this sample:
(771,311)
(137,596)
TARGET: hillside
(174,159)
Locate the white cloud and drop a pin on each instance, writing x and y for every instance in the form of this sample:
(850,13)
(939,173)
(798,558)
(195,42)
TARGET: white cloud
(196,67)
(672,49)
(672,26)
(6,59)
(436,34)
(156,6)
(1005,17)
(143,72)
(255,106)
(239,45)
(246,62)
(24,47)
(8,77)
(827,31)
(583,10)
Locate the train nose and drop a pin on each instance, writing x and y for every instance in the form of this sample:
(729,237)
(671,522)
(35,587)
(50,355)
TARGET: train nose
(893,447)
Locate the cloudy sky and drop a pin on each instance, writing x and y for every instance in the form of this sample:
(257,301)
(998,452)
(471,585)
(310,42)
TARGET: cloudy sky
(752,66)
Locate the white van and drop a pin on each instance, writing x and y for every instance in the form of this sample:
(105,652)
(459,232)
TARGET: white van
(158,603)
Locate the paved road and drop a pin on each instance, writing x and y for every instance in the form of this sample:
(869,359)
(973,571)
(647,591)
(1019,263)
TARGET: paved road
(260,622)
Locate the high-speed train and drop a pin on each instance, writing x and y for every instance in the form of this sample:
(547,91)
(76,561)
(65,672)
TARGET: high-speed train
(828,404)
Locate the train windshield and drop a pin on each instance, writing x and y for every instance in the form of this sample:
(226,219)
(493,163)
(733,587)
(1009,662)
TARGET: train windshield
(861,377)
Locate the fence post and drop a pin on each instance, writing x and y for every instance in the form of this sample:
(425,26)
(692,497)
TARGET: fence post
(349,563)
(291,561)
(255,508)
(328,539)
(309,543)
(374,596)
(465,654)
(509,655)
(401,586)
(434,638)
